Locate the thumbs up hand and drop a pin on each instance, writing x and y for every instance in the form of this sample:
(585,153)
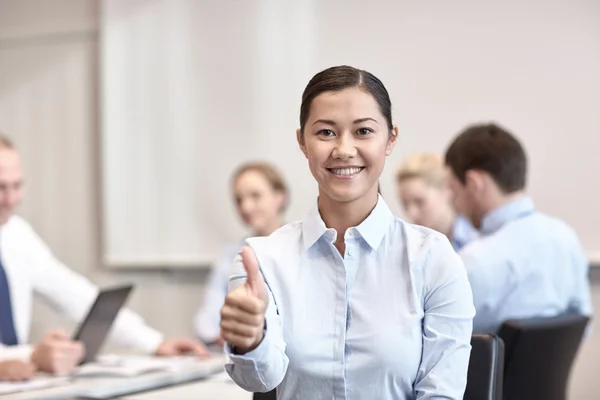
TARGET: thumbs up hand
(243,314)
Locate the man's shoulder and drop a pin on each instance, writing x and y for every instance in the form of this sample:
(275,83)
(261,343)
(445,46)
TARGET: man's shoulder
(17,225)
(487,252)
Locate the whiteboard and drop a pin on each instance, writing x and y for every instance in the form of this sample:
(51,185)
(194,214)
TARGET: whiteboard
(190,89)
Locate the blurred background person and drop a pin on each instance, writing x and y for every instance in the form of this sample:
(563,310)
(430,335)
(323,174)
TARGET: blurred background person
(427,199)
(527,264)
(261,196)
(28,267)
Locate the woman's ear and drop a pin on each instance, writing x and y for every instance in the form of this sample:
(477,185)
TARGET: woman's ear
(392,139)
(281,199)
(301,142)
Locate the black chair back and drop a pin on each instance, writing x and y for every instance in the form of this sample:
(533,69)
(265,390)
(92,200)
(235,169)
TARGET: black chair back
(272,395)
(486,368)
(539,354)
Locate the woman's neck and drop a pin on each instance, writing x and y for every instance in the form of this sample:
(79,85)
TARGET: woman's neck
(343,215)
(270,228)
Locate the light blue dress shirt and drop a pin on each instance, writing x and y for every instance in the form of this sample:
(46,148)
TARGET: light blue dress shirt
(526,265)
(391,320)
(463,232)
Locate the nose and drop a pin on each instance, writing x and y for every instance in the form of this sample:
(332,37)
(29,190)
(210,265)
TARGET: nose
(345,147)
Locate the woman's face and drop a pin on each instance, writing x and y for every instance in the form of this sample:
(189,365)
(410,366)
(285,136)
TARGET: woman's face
(346,140)
(258,204)
(425,204)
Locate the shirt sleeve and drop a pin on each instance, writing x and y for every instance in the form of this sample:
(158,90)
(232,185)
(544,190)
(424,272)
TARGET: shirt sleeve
(263,368)
(447,325)
(71,294)
(19,352)
(581,302)
(208,317)
(490,284)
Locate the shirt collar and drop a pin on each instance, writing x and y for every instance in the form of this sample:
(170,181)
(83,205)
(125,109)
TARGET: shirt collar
(372,229)
(508,212)
(462,232)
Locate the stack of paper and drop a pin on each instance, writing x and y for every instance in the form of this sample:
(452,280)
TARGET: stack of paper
(117,365)
(41,382)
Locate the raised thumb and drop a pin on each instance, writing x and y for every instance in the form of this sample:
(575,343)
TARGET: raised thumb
(254,278)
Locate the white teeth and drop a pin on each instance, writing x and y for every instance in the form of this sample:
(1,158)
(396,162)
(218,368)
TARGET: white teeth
(345,171)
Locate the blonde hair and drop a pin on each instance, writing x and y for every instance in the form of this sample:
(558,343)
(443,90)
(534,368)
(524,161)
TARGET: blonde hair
(271,174)
(427,166)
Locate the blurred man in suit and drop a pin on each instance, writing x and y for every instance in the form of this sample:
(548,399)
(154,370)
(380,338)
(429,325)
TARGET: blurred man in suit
(28,267)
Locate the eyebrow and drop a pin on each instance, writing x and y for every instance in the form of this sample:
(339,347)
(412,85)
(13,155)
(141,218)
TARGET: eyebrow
(356,121)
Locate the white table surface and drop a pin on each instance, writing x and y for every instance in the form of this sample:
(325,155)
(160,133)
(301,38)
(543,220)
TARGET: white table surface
(104,387)
(219,387)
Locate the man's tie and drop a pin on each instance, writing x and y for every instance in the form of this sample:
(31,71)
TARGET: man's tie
(8,335)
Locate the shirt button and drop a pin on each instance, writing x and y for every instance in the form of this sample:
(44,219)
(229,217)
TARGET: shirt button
(350,253)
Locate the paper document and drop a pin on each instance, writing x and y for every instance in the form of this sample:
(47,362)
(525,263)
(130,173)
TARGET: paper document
(117,365)
(40,382)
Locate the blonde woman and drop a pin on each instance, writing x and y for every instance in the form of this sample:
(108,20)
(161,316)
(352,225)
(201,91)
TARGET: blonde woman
(261,196)
(427,200)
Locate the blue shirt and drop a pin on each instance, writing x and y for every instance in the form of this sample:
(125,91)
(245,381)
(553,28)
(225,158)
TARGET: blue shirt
(463,232)
(390,320)
(526,265)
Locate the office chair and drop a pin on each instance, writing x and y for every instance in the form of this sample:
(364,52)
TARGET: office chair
(272,395)
(486,368)
(539,354)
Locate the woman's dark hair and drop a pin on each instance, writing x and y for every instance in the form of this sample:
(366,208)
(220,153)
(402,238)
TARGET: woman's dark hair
(343,77)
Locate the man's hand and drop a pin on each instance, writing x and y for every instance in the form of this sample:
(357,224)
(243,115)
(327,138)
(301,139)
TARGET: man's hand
(16,370)
(57,353)
(177,347)
(243,314)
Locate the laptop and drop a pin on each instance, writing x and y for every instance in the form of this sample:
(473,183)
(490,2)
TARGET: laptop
(94,329)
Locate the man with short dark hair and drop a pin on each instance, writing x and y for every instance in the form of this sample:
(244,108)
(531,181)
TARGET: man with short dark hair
(526,264)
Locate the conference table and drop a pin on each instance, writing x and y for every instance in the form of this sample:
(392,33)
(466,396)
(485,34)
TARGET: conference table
(202,380)
(216,388)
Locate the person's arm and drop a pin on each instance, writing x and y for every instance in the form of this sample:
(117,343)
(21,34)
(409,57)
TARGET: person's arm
(447,325)
(72,295)
(581,301)
(490,284)
(263,368)
(208,317)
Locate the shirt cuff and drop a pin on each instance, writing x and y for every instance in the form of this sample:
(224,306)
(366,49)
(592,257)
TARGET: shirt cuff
(19,352)
(149,342)
(257,355)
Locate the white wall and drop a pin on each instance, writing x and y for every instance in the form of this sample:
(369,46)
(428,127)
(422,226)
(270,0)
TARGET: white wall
(191,88)
(49,105)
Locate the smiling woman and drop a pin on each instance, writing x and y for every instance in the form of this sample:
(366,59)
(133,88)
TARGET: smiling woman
(391,300)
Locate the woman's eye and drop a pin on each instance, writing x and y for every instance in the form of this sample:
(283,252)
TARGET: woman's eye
(364,131)
(326,132)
